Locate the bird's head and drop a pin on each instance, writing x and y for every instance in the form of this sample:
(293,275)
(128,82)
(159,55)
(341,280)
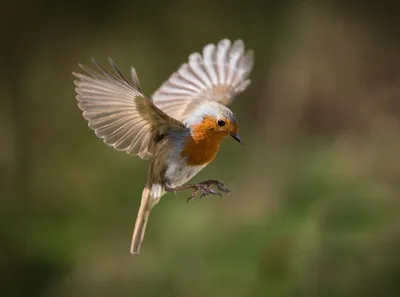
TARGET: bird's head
(213,119)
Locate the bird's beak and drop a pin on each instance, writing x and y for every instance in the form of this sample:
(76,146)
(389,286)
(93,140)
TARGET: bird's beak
(236,137)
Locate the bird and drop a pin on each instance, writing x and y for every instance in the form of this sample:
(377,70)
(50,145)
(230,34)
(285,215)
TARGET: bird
(179,127)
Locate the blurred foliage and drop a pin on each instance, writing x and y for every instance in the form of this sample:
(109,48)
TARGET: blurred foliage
(315,206)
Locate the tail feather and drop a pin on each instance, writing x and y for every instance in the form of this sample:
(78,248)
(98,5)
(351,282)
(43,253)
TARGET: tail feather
(141,222)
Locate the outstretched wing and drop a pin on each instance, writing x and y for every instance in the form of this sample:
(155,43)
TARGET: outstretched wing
(218,75)
(119,113)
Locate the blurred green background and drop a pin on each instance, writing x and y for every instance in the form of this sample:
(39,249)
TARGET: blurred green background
(315,205)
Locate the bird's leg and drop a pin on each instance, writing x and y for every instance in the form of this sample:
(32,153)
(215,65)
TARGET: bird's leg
(204,187)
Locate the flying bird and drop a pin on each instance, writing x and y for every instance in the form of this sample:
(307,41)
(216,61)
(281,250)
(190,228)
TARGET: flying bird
(179,127)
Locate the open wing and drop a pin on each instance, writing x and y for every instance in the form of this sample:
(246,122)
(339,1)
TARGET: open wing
(119,113)
(218,75)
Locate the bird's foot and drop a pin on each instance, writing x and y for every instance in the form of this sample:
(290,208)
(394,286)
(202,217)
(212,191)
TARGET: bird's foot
(220,186)
(204,188)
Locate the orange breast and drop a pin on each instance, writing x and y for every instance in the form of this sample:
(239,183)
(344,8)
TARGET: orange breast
(201,147)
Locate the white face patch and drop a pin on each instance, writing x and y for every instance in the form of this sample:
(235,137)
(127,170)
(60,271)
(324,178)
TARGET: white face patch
(213,109)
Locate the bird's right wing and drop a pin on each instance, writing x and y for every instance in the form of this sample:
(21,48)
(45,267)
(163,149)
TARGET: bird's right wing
(119,113)
(219,74)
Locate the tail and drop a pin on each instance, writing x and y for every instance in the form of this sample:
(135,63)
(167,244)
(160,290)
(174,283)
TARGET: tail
(141,221)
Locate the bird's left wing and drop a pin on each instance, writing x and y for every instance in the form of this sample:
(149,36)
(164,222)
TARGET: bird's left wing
(219,74)
(119,112)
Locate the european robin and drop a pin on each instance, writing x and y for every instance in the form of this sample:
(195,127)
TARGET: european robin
(179,127)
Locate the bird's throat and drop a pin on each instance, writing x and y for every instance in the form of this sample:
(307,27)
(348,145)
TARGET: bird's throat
(201,146)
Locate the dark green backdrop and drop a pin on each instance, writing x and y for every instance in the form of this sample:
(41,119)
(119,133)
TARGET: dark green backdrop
(315,205)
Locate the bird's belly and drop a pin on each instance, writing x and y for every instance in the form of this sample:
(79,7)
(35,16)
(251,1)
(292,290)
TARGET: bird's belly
(178,173)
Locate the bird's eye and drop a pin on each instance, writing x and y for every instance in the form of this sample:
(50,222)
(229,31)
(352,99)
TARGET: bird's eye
(221,123)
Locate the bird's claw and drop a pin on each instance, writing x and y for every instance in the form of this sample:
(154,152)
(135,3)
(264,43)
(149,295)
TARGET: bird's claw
(192,195)
(223,188)
(220,186)
(206,190)
(209,191)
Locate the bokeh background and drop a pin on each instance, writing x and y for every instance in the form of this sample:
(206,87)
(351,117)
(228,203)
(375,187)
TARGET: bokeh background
(315,205)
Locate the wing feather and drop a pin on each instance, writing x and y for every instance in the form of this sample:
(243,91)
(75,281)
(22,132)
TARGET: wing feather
(219,74)
(222,60)
(118,112)
(196,64)
(209,58)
